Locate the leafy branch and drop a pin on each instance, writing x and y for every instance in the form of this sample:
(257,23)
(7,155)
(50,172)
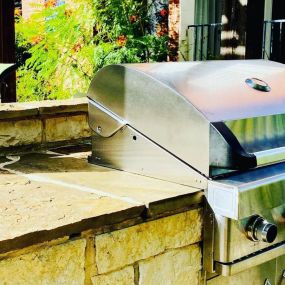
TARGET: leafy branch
(66,45)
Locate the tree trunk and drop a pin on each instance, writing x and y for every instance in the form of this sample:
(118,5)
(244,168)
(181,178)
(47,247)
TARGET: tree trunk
(7,47)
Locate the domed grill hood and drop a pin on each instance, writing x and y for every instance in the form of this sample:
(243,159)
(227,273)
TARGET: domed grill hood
(213,116)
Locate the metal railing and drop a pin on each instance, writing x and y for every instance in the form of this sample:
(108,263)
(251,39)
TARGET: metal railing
(273,45)
(204,41)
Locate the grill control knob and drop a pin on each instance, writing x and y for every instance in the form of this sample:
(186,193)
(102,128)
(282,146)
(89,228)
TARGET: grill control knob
(258,229)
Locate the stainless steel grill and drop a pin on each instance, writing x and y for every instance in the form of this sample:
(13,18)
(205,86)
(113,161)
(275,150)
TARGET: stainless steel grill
(218,126)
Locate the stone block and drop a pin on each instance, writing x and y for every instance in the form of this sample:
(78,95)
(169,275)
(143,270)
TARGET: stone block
(60,264)
(66,128)
(52,107)
(17,110)
(18,133)
(175,267)
(123,247)
(24,110)
(121,277)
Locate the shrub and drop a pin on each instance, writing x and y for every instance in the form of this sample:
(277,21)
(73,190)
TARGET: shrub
(67,44)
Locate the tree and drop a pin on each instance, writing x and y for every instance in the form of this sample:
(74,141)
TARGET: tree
(67,44)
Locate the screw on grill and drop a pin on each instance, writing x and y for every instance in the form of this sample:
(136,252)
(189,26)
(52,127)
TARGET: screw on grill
(99,129)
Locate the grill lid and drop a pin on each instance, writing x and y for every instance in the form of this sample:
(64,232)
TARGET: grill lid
(217,114)
(218,89)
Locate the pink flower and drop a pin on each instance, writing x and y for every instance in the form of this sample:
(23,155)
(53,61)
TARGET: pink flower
(163,12)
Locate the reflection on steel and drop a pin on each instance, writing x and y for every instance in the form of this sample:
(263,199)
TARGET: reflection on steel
(263,136)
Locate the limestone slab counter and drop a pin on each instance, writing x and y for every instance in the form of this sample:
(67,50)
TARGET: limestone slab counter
(105,226)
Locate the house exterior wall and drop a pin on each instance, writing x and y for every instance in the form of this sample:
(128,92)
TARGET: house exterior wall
(30,6)
(187,17)
(233,36)
(232,14)
(174,29)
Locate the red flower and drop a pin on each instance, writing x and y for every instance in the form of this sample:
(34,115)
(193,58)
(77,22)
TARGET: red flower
(163,12)
(50,3)
(36,39)
(121,40)
(133,18)
(160,33)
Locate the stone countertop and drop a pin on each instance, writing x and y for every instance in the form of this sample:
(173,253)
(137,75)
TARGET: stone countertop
(41,108)
(47,195)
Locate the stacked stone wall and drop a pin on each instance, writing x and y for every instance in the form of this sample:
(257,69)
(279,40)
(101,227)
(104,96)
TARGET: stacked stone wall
(158,252)
(43,124)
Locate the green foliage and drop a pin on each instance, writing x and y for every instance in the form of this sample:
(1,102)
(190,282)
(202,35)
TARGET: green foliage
(67,44)
(61,55)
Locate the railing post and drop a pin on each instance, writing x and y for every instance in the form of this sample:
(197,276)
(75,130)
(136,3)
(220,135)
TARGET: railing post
(195,48)
(280,41)
(7,46)
(271,39)
(264,39)
(202,42)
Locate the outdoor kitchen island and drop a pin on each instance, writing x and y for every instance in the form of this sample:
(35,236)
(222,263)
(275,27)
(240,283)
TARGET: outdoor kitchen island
(64,221)
(73,217)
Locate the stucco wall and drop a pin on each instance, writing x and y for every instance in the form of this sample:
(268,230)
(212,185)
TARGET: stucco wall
(30,6)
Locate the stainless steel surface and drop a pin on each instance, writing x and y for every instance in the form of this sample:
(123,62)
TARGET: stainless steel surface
(258,84)
(280,270)
(262,257)
(175,105)
(218,89)
(155,110)
(259,133)
(208,125)
(231,242)
(270,155)
(245,194)
(218,156)
(235,199)
(249,276)
(263,136)
(103,121)
(129,150)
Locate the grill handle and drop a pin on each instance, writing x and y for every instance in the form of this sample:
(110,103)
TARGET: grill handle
(270,156)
